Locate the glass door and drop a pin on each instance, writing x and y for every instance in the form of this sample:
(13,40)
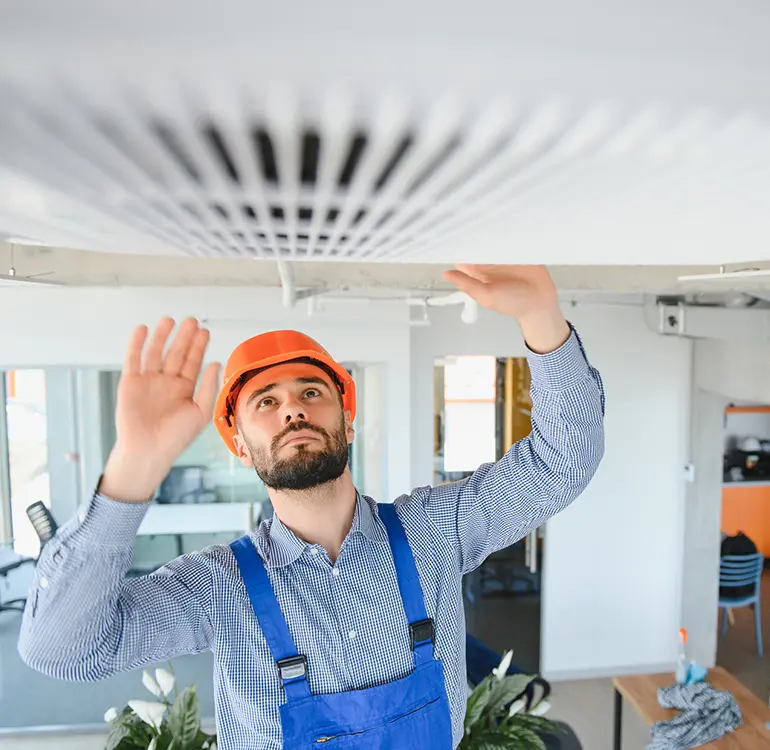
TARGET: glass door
(482,406)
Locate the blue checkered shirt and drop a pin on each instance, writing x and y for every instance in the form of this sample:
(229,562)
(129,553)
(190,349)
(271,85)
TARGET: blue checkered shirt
(85,620)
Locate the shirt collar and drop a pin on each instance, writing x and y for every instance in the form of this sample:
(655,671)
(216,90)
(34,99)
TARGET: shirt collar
(282,547)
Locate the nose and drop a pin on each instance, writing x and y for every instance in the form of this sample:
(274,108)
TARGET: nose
(293,411)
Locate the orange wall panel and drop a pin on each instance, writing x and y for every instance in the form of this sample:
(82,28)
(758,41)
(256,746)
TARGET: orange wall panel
(746,508)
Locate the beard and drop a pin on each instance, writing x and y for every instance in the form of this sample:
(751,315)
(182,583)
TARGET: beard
(306,467)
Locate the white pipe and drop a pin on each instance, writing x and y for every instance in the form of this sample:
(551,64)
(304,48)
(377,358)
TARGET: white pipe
(455,298)
(286,274)
(470,313)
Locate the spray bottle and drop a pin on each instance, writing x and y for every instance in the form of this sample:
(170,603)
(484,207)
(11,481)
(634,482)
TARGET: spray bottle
(682,668)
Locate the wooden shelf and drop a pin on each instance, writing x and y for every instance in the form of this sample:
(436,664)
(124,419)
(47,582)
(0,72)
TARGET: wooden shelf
(747,410)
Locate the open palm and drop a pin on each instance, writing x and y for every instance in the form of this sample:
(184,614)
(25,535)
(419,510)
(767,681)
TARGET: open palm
(510,290)
(158,411)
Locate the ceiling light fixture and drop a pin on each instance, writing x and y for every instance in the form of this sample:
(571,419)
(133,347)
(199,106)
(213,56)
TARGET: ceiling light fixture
(722,275)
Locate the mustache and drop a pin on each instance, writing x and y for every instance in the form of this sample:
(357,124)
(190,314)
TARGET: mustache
(296,427)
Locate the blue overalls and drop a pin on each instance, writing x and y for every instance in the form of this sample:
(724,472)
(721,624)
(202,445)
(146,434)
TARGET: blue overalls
(412,712)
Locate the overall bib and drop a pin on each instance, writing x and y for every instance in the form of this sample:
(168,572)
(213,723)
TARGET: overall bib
(412,712)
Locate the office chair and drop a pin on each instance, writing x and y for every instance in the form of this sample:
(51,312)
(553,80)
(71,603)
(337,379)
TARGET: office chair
(42,521)
(742,572)
(9,561)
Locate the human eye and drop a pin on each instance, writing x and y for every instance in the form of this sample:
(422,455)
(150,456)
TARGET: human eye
(265,402)
(312,392)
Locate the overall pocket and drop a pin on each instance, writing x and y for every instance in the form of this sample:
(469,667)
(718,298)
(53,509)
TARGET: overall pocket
(342,737)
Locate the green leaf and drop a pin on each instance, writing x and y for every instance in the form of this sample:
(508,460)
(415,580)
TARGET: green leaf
(116,736)
(184,719)
(534,723)
(476,704)
(506,690)
(525,738)
(490,741)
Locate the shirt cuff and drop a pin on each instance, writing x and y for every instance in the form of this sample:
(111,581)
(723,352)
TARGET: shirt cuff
(110,524)
(562,368)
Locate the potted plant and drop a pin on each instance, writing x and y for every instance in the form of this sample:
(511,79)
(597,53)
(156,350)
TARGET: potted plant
(497,717)
(162,724)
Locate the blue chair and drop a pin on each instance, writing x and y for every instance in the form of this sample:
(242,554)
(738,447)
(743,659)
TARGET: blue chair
(742,571)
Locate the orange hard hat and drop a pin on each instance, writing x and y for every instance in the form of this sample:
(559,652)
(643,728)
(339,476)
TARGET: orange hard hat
(267,350)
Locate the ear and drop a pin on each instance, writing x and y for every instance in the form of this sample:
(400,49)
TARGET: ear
(244,455)
(350,432)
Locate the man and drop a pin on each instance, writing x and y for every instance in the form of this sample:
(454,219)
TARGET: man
(339,620)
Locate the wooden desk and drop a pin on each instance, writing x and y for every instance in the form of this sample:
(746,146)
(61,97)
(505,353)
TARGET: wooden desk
(641,691)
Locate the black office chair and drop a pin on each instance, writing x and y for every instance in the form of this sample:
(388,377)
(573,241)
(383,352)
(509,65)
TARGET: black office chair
(43,522)
(13,605)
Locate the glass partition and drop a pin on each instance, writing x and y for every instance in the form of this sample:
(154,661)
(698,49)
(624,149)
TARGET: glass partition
(27,437)
(60,431)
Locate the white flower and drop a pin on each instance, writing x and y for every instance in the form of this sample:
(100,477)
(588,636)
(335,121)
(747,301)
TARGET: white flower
(516,706)
(153,744)
(165,680)
(110,715)
(501,670)
(149,712)
(540,709)
(150,684)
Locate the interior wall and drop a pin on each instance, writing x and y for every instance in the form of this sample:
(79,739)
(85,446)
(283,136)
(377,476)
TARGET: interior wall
(703,512)
(738,370)
(613,560)
(89,327)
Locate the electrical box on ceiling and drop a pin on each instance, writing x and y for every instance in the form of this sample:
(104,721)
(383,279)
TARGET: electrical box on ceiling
(418,131)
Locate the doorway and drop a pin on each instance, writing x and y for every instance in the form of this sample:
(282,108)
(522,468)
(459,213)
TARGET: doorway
(482,406)
(745,529)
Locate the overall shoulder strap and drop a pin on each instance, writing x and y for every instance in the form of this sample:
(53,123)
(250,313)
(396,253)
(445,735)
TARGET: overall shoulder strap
(292,667)
(421,629)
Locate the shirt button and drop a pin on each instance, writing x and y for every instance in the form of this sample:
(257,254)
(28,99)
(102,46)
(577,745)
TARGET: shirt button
(352,635)
(43,583)
(335,571)
(314,551)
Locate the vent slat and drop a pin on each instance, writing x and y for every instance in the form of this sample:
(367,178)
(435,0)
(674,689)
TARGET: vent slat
(286,175)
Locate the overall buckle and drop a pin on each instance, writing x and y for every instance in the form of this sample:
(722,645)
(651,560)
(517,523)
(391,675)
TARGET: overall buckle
(292,668)
(420,632)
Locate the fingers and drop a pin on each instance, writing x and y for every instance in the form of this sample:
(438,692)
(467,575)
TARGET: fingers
(153,356)
(194,355)
(475,271)
(468,284)
(132,363)
(178,352)
(207,392)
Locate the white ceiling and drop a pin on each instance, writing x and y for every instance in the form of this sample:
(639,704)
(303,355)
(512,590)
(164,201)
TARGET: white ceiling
(572,133)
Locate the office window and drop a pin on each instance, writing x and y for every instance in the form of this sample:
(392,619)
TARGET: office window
(27,437)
